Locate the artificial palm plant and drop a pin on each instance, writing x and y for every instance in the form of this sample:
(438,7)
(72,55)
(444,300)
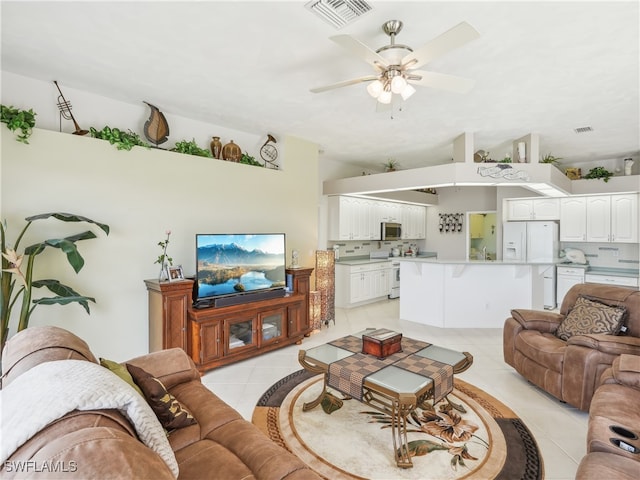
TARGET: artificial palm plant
(18,283)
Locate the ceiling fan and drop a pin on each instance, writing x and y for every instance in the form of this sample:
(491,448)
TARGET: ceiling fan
(396,64)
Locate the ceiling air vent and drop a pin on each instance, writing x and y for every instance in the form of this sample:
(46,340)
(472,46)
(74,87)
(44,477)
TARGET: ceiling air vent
(338,12)
(583,129)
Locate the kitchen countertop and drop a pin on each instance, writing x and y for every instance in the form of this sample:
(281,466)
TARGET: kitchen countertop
(619,272)
(471,262)
(573,265)
(588,269)
(365,260)
(431,257)
(361,260)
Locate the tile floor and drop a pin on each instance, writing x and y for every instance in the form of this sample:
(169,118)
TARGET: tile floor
(559,429)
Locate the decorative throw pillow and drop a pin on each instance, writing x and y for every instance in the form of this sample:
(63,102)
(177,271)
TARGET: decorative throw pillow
(171,413)
(121,371)
(588,316)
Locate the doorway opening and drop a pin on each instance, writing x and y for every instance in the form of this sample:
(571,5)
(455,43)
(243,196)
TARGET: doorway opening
(481,236)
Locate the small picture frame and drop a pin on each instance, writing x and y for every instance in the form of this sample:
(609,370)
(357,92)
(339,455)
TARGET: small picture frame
(175,273)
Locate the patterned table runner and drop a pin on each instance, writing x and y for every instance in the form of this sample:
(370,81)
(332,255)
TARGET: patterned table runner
(347,375)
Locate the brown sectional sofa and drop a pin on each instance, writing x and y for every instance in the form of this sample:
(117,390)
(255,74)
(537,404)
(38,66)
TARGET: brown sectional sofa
(613,438)
(570,370)
(102,443)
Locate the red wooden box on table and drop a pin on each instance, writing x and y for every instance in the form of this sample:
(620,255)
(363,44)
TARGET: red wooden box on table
(381,342)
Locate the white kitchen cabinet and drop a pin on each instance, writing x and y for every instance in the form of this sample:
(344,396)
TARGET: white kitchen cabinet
(624,218)
(567,277)
(352,218)
(340,218)
(612,218)
(413,222)
(573,220)
(390,212)
(476,226)
(611,279)
(533,209)
(358,284)
(359,288)
(599,218)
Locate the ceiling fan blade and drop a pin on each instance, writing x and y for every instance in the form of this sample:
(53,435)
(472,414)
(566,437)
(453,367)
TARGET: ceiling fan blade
(360,50)
(345,83)
(442,81)
(449,40)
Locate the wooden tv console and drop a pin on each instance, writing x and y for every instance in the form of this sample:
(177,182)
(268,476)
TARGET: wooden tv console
(216,336)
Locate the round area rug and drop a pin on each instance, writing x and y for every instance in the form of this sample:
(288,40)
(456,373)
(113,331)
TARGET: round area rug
(470,435)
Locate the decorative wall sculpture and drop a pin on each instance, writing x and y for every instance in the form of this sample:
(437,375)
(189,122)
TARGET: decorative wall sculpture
(450,222)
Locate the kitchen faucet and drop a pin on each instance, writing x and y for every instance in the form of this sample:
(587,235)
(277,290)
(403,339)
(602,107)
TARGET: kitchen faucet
(484,253)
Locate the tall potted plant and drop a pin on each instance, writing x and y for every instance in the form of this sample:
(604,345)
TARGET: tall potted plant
(17,281)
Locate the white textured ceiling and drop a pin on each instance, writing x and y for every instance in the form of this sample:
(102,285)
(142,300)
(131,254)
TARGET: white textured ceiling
(540,67)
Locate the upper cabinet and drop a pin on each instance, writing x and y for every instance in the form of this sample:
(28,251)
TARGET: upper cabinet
(352,218)
(612,218)
(573,219)
(600,218)
(389,211)
(413,222)
(624,218)
(533,209)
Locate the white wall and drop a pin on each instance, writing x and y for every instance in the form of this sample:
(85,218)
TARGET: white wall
(453,246)
(140,194)
(92,110)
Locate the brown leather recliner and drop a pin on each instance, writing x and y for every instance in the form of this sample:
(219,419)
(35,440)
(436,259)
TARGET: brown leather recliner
(570,370)
(613,438)
(103,443)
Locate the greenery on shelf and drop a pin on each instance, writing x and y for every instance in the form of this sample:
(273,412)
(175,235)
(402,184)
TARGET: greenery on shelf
(548,158)
(23,120)
(599,172)
(249,160)
(191,148)
(22,281)
(391,165)
(121,139)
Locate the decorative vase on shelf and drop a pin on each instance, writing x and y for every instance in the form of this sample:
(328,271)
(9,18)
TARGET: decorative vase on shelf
(628,163)
(216,147)
(162,276)
(231,152)
(522,152)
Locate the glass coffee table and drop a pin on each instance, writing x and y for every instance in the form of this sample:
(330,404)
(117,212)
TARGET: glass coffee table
(395,385)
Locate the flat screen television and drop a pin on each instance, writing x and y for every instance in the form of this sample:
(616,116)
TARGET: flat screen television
(246,266)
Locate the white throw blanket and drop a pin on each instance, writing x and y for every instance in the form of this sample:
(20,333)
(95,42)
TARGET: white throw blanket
(50,390)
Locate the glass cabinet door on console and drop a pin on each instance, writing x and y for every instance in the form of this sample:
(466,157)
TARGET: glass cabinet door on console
(240,334)
(273,325)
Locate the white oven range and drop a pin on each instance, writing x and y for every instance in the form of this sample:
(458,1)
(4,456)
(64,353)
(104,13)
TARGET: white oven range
(395,280)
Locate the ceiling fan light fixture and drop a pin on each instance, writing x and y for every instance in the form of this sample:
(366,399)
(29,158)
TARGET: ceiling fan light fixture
(375,88)
(398,84)
(385,97)
(407,91)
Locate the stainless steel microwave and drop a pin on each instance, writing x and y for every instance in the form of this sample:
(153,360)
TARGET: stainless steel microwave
(391,231)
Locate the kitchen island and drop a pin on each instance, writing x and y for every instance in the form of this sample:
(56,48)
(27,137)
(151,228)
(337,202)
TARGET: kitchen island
(468,294)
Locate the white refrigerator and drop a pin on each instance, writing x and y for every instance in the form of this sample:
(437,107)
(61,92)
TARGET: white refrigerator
(534,242)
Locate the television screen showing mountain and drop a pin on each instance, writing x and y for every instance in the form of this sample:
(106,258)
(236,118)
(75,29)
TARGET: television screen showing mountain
(229,264)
